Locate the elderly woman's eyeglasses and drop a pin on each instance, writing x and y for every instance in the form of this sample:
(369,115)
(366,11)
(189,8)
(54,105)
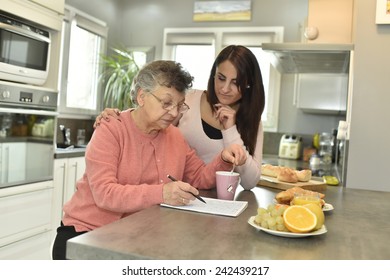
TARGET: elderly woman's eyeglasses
(169,105)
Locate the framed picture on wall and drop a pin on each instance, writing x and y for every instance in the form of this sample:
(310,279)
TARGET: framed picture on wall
(215,10)
(382,11)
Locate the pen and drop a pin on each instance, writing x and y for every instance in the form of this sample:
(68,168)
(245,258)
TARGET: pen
(197,196)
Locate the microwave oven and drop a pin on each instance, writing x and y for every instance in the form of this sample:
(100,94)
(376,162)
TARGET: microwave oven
(24,51)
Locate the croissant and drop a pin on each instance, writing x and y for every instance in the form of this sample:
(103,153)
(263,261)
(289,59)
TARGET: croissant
(286,196)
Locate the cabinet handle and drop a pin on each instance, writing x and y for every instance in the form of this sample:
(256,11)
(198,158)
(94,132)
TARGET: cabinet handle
(75,175)
(63,167)
(7,167)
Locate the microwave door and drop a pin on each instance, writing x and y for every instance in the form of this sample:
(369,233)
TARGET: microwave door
(24,52)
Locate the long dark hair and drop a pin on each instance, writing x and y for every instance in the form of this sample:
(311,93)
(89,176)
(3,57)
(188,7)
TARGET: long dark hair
(250,84)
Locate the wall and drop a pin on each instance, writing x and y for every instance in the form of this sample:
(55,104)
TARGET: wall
(142,15)
(369,151)
(153,16)
(105,10)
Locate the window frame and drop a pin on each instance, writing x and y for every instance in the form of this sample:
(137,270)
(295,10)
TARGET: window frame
(92,25)
(220,37)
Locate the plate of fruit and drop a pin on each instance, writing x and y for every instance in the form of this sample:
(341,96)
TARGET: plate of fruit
(290,221)
(297,195)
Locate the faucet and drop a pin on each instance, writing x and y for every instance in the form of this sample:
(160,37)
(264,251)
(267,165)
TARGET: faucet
(65,134)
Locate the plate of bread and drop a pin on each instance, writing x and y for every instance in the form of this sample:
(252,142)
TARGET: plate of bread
(281,177)
(286,174)
(287,196)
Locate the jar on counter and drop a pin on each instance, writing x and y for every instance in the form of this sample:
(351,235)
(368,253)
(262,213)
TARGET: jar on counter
(19,126)
(315,162)
(6,125)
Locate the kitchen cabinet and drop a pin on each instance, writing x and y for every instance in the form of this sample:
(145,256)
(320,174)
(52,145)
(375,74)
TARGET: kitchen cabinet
(66,173)
(25,218)
(44,152)
(322,93)
(333,20)
(12,162)
(54,5)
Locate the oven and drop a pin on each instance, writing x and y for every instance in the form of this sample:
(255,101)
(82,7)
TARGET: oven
(28,117)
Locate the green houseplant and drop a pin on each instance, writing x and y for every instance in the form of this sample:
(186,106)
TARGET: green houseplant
(119,71)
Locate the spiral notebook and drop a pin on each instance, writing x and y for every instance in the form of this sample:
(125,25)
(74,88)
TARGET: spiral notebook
(230,208)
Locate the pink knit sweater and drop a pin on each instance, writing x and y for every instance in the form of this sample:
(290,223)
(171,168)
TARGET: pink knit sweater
(126,170)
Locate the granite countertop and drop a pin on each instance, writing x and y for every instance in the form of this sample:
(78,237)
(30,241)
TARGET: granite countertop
(163,233)
(72,151)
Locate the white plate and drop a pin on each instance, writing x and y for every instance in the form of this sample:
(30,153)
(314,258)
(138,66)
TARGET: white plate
(327,207)
(320,231)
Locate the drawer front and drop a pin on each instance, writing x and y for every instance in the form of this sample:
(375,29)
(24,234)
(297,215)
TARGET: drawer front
(36,247)
(22,213)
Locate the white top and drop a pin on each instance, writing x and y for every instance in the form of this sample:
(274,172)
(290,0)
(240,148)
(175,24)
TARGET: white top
(191,127)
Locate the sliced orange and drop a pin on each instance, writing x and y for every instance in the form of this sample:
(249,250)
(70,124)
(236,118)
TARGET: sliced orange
(299,219)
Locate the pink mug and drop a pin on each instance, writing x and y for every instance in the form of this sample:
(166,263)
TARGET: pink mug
(227,183)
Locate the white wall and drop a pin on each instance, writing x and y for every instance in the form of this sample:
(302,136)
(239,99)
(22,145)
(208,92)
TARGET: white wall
(369,152)
(105,10)
(140,23)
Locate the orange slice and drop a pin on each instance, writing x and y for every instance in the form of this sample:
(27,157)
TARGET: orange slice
(299,219)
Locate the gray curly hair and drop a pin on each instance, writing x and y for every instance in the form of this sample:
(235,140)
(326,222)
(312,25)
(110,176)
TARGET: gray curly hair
(161,73)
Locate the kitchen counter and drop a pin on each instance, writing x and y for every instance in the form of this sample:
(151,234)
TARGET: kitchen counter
(358,229)
(71,151)
(332,170)
(67,153)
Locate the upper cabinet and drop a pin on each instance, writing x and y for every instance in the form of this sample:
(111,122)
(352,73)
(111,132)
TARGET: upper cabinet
(332,20)
(54,5)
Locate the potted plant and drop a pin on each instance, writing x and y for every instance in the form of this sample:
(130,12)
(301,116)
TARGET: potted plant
(119,71)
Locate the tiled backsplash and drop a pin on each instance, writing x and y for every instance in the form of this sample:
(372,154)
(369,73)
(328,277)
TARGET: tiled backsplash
(270,145)
(272,141)
(74,125)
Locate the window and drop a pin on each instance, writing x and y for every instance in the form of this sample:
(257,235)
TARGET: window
(83,43)
(181,44)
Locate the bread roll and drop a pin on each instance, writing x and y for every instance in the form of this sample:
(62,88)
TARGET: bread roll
(270,170)
(304,175)
(287,175)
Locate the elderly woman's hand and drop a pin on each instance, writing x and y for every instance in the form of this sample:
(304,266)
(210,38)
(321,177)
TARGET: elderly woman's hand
(106,115)
(178,193)
(236,154)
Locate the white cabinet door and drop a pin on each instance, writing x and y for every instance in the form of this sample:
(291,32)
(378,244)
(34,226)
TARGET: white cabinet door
(36,247)
(43,152)
(76,168)
(13,162)
(25,216)
(55,5)
(66,173)
(322,93)
(59,175)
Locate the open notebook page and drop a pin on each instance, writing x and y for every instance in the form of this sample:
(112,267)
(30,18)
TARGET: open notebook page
(214,206)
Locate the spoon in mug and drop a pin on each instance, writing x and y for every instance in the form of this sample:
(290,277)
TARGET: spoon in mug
(231,171)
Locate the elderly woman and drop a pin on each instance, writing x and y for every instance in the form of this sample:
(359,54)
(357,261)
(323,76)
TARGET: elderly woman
(127,162)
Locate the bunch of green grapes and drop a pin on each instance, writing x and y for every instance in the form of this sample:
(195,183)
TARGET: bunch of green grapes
(272,217)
